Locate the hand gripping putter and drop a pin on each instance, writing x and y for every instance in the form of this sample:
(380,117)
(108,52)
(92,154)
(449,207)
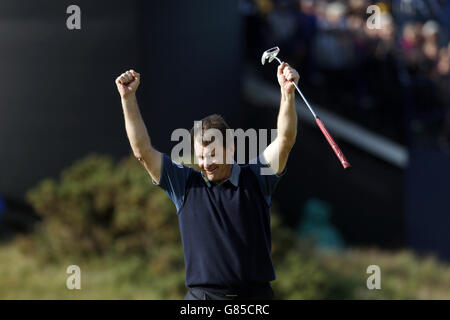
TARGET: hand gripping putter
(272,54)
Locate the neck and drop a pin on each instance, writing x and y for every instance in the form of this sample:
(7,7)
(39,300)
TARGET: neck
(229,169)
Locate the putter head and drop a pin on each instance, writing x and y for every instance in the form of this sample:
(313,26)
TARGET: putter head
(270,54)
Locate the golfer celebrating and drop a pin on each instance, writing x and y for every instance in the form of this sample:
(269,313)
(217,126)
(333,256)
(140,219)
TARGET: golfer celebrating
(223,209)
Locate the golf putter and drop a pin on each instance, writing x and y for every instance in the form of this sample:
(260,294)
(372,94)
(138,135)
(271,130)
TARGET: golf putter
(270,55)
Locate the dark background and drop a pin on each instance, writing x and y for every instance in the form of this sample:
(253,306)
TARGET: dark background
(59,103)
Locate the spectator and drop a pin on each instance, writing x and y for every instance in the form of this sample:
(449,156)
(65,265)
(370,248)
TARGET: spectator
(283,24)
(359,68)
(410,45)
(332,47)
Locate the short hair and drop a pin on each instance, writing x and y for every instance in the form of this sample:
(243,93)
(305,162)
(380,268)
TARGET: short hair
(214,121)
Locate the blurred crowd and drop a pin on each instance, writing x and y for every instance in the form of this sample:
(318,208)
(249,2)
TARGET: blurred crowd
(386,68)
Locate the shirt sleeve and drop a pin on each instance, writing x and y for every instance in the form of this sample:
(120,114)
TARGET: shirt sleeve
(173,180)
(267,178)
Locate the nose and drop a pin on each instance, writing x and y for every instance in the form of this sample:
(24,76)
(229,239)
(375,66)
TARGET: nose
(209,162)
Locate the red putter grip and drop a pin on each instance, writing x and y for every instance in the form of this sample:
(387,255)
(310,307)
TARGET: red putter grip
(333,144)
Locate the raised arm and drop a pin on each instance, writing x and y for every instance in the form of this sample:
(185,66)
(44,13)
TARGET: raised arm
(276,154)
(127,84)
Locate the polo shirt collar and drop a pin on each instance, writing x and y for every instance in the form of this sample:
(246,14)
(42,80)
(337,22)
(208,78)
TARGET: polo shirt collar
(233,178)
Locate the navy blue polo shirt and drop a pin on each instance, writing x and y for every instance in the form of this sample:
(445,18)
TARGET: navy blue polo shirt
(225,228)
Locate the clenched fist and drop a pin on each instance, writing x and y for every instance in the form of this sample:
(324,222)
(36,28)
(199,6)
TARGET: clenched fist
(127,83)
(286,75)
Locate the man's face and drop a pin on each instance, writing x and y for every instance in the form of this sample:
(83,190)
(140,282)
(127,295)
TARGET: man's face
(212,162)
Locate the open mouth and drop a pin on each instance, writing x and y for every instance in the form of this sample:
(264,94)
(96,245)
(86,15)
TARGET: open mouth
(211,171)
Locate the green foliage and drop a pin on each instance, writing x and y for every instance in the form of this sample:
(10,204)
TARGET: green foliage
(122,230)
(300,273)
(98,207)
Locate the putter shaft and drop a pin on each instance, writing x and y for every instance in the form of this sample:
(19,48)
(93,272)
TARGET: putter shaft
(322,127)
(301,94)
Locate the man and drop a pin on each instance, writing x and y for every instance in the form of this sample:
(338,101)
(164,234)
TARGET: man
(223,209)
